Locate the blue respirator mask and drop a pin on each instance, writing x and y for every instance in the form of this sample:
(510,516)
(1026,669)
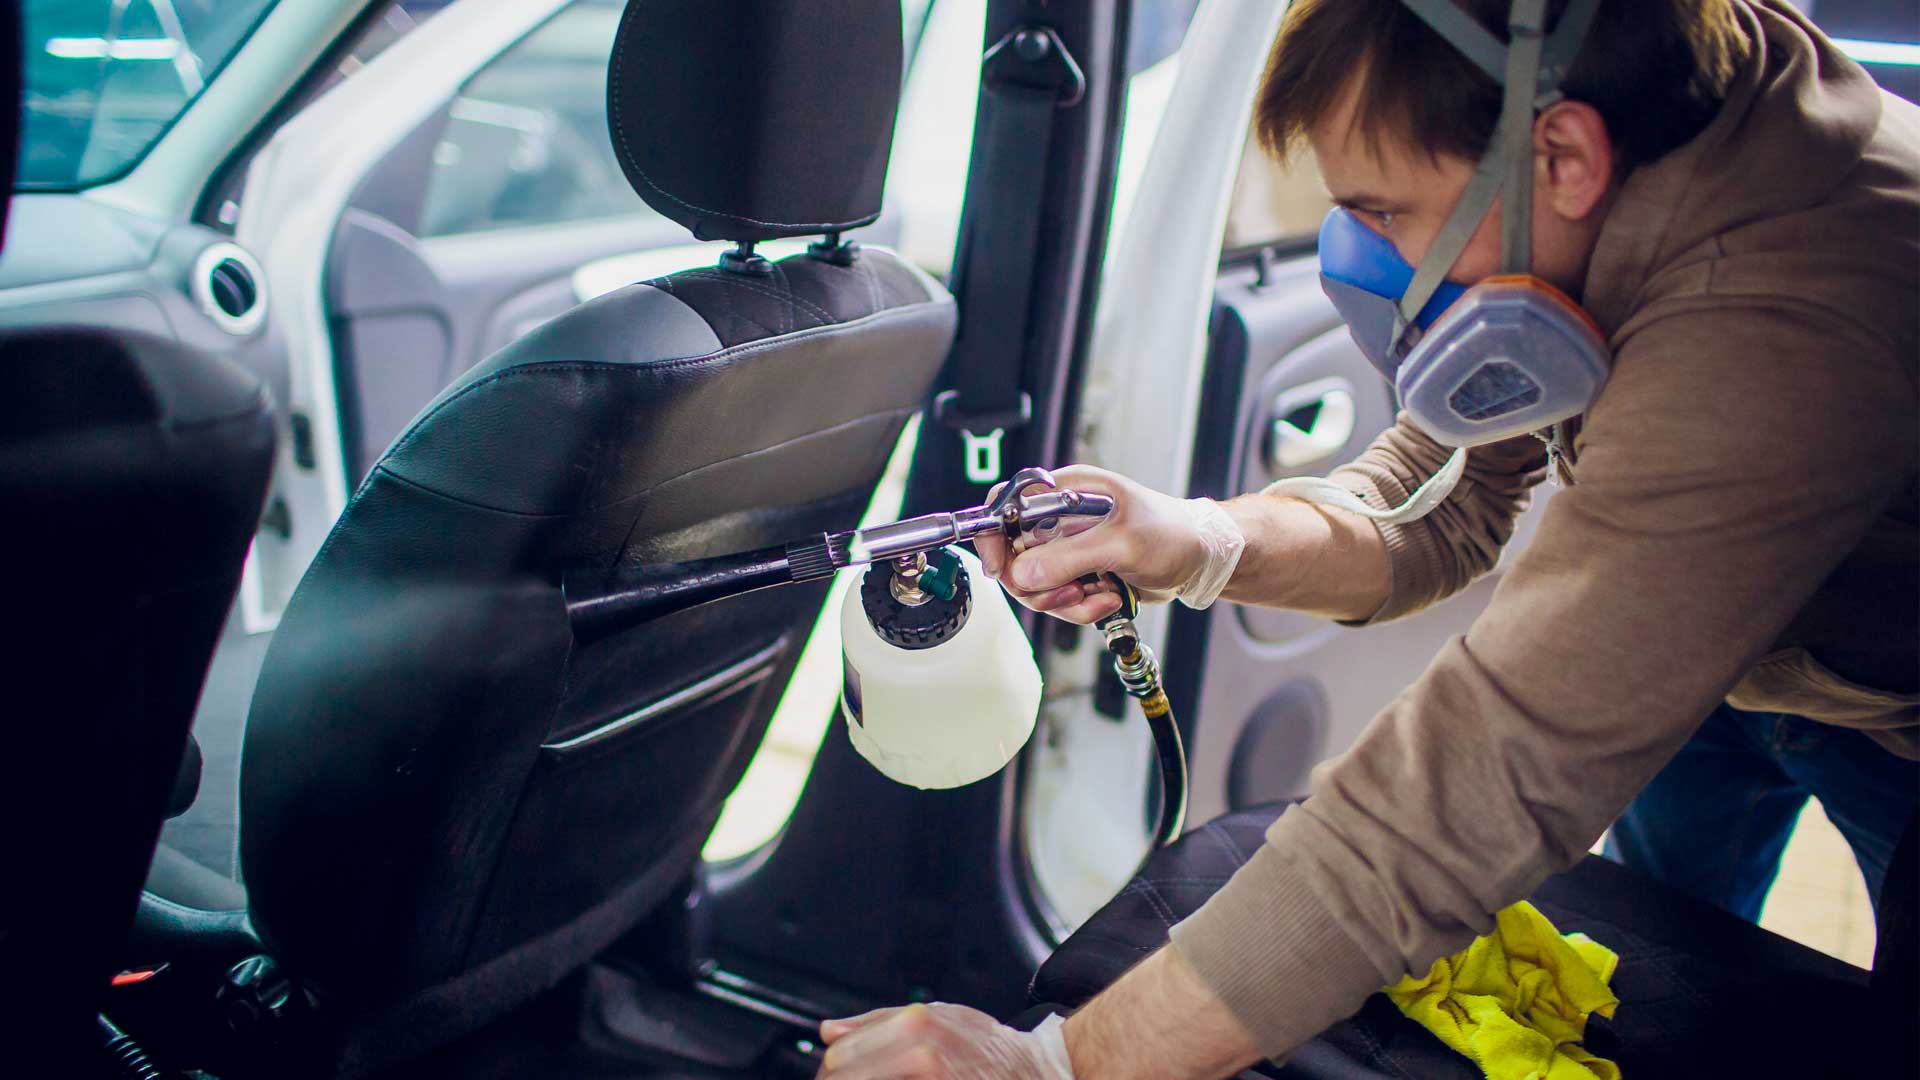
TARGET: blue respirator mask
(1506,356)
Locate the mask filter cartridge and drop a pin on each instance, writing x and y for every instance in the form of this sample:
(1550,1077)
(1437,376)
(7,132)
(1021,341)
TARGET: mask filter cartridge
(941,688)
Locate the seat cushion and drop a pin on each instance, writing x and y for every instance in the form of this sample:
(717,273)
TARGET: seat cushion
(187,910)
(1702,993)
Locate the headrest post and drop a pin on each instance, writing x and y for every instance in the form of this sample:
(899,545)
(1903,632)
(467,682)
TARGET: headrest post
(834,250)
(742,260)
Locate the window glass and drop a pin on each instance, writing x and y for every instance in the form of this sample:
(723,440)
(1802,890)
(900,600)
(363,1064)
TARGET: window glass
(397,21)
(1275,202)
(106,78)
(1154,37)
(1157,29)
(526,140)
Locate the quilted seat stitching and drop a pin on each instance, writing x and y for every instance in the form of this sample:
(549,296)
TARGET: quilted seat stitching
(721,277)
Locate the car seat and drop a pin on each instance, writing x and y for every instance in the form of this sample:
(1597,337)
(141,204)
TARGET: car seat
(448,802)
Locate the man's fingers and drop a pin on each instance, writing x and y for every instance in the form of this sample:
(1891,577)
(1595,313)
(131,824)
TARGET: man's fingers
(1089,478)
(992,549)
(1050,566)
(874,1048)
(833,1030)
(1095,607)
(1054,600)
(904,1061)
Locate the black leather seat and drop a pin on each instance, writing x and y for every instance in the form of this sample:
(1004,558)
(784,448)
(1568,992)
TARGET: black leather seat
(447,801)
(1702,993)
(132,470)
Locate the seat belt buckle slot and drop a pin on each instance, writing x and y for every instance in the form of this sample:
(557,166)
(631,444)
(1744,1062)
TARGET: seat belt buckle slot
(982,454)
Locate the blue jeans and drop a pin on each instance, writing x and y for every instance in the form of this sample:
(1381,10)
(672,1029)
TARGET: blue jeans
(1714,821)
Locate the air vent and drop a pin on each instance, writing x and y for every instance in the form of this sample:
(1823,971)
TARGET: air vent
(230,288)
(233,288)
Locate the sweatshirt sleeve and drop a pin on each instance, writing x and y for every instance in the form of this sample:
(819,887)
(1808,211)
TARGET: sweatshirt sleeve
(1442,553)
(1735,458)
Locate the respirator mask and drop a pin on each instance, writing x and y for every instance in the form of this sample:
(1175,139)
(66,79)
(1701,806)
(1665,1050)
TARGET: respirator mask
(1506,356)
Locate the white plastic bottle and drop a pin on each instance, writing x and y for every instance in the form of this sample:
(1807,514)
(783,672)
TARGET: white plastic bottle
(941,693)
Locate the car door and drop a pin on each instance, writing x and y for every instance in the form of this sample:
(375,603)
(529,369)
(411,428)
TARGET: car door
(1217,367)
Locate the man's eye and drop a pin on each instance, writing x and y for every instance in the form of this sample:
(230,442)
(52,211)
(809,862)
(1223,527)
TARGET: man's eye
(1386,218)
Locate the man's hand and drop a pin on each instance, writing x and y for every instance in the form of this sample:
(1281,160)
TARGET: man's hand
(1159,1022)
(1316,559)
(1150,540)
(940,1042)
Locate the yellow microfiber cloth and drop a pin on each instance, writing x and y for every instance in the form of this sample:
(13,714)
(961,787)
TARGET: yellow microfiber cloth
(1516,1001)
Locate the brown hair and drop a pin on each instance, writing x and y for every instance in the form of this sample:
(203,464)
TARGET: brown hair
(1656,70)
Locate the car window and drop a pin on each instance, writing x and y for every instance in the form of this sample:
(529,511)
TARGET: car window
(1155,31)
(1274,202)
(526,141)
(398,19)
(106,78)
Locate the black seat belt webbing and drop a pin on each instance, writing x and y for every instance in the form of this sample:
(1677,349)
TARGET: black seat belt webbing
(994,279)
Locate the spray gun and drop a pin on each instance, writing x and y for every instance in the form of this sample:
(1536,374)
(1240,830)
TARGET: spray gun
(940,685)
(597,606)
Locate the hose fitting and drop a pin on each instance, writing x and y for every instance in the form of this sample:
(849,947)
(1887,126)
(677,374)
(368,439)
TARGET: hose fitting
(1139,672)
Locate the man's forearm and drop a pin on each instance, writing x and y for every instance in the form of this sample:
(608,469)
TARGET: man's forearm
(1308,558)
(1158,1022)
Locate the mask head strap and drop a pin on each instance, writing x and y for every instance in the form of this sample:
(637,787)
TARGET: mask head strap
(1530,68)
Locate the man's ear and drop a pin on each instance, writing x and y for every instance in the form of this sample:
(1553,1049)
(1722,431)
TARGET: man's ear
(1570,140)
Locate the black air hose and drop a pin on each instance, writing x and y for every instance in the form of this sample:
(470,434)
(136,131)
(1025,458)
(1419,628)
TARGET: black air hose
(1139,673)
(125,1060)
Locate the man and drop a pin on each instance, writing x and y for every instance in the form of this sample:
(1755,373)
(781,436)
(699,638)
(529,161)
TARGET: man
(1738,208)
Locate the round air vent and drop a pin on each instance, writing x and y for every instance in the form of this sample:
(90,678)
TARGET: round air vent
(230,287)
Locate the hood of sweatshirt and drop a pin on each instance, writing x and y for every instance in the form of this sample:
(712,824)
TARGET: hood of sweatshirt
(1759,185)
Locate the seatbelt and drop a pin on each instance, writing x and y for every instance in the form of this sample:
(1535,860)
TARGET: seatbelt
(1026,77)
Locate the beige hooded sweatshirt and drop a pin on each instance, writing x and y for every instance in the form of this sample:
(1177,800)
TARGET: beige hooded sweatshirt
(1739,523)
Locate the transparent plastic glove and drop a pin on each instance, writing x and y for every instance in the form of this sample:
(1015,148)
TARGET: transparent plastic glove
(1164,547)
(941,1042)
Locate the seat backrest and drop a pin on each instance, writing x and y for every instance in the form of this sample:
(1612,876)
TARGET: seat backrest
(132,470)
(446,801)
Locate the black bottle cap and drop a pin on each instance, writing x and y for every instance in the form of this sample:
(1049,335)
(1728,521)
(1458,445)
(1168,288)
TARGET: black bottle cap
(914,627)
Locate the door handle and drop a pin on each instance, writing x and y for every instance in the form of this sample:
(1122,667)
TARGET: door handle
(1309,423)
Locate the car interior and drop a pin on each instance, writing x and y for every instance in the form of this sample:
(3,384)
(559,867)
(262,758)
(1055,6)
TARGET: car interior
(344,346)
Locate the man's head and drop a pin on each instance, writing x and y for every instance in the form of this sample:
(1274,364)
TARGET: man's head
(1397,117)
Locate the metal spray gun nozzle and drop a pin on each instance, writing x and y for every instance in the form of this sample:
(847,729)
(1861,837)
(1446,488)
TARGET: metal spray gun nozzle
(601,602)
(1012,512)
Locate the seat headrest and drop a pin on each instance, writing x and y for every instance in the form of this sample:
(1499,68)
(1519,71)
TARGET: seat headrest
(755,119)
